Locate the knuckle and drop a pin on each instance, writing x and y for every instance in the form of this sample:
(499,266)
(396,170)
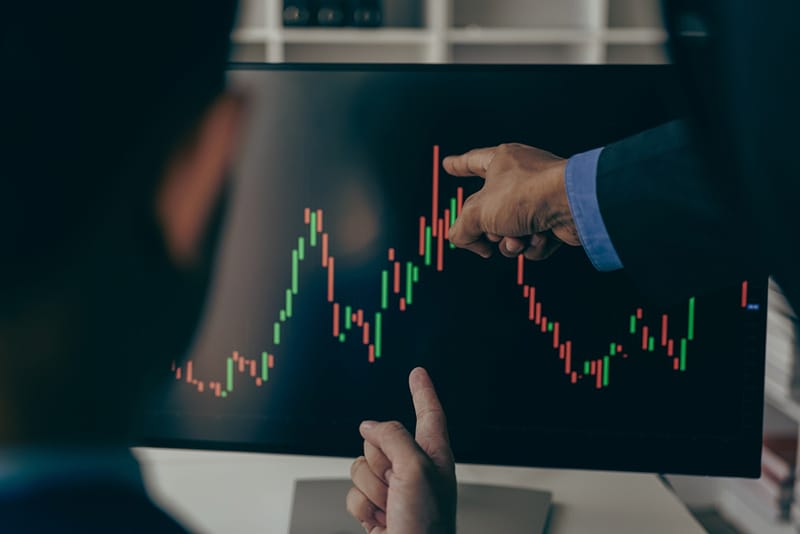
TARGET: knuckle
(513,157)
(457,239)
(534,254)
(426,412)
(508,150)
(353,502)
(469,204)
(394,427)
(391,430)
(355,466)
(470,208)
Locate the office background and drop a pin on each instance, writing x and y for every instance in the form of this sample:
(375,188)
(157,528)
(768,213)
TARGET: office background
(465,31)
(540,31)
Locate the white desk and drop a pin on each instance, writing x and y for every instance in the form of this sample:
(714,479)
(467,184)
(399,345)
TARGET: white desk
(243,493)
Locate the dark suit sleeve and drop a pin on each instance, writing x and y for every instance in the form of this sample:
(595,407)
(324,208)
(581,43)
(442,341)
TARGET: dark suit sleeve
(676,227)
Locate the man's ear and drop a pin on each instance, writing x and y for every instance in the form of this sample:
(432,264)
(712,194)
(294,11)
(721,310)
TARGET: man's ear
(194,178)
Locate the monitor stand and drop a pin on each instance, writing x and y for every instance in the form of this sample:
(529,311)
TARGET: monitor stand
(319,508)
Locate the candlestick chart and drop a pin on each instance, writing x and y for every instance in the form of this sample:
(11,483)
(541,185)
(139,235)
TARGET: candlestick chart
(360,325)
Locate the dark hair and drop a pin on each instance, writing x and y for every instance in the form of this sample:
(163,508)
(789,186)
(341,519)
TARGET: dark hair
(94,97)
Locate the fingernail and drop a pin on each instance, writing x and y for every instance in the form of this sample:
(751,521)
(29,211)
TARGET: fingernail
(513,248)
(387,476)
(414,375)
(368,425)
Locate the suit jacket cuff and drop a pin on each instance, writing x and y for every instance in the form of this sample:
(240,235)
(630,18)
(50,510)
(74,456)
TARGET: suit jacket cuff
(581,184)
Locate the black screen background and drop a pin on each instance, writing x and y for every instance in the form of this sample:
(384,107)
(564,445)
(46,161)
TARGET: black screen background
(357,143)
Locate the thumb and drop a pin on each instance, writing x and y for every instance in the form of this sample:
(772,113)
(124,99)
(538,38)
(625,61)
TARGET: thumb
(431,429)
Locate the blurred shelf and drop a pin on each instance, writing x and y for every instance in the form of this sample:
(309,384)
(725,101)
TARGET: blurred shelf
(521,36)
(354,52)
(635,36)
(777,399)
(253,35)
(517,36)
(355,36)
(332,35)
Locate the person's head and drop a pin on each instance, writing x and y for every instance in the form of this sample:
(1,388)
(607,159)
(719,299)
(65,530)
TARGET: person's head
(117,131)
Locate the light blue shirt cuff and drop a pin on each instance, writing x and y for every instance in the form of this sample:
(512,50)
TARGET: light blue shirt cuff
(581,184)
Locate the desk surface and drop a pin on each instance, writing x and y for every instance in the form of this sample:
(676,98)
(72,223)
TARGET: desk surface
(243,493)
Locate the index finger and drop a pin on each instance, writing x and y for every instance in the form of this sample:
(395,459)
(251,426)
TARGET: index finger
(431,432)
(473,163)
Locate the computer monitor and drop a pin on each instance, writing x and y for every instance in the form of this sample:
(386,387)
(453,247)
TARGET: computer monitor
(335,278)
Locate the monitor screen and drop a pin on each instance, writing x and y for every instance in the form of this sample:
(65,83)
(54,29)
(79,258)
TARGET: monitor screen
(334,278)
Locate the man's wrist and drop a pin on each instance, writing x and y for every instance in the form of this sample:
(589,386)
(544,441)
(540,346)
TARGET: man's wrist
(561,222)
